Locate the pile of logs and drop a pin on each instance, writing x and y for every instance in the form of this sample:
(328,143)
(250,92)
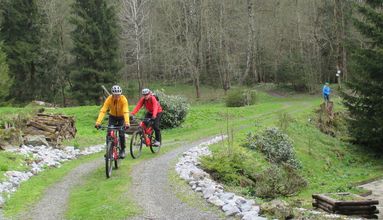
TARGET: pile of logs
(55,128)
(361,206)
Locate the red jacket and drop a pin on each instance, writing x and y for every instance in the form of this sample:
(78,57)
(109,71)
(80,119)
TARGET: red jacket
(151,105)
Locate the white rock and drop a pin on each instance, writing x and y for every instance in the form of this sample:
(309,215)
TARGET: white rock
(216,201)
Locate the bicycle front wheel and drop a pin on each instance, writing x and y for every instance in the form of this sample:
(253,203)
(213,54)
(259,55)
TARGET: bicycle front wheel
(154,149)
(136,144)
(109,159)
(116,158)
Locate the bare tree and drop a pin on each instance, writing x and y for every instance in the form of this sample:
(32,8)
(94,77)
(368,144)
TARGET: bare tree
(134,14)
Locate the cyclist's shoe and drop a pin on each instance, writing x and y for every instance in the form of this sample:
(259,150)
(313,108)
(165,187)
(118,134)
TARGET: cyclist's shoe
(122,154)
(157,143)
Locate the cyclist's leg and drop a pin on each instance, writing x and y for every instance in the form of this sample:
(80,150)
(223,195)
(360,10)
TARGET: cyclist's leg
(148,115)
(121,133)
(156,127)
(111,121)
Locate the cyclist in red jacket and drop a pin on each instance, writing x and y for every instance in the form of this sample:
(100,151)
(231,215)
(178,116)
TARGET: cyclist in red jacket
(154,111)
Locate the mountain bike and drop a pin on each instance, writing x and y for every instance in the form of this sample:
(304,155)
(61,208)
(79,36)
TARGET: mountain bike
(143,135)
(113,147)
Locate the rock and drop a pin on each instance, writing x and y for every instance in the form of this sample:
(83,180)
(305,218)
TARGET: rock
(278,208)
(208,192)
(245,207)
(216,201)
(227,196)
(35,140)
(9,138)
(230,210)
(252,215)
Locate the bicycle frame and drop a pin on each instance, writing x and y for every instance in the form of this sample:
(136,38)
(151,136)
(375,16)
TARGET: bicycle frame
(112,136)
(146,126)
(113,147)
(143,136)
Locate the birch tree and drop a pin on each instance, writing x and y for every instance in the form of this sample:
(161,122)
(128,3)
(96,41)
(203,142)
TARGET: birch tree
(134,16)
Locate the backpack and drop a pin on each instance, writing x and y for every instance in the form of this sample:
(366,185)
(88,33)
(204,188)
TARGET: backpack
(155,96)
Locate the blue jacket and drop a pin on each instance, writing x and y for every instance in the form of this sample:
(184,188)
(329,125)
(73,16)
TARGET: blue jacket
(326,90)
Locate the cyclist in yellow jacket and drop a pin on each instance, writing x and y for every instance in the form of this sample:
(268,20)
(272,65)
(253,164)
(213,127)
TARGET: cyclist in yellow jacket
(118,114)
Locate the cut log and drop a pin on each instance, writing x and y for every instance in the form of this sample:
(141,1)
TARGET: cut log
(324,199)
(54,127)
(351,208)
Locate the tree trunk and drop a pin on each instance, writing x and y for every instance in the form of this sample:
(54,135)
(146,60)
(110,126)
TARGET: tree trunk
(250,41)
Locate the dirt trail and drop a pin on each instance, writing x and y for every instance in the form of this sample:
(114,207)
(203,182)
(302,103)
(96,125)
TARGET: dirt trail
(377,193)
(153,192)
(54,202)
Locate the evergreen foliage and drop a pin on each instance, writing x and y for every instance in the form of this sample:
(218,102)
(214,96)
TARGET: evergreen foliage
(20,32)
(365,98)
(95,40)
(5,81)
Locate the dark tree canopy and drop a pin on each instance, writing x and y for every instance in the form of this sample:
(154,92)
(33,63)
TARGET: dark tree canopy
(365,101)
(20,32)
(95,51)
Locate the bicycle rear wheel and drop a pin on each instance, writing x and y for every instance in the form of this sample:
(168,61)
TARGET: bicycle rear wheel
(154,149)
(136,144)
(109,159)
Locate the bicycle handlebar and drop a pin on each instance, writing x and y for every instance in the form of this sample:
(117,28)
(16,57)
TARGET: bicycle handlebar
(111,127)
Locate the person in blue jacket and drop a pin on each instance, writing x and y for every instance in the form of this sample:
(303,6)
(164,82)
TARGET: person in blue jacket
(326,92)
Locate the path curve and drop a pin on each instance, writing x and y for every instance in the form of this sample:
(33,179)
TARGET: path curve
(376,188)
(54,202)
(153,192)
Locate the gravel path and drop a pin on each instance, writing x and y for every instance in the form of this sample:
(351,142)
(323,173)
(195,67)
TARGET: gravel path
(54,202)
(377,193)
(153,192)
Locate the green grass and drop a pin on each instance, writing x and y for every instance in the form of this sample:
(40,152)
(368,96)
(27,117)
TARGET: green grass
(101,198)
(329,164)
(10,161)
(31,191)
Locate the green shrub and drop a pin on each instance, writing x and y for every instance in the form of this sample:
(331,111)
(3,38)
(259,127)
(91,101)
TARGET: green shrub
(175,109)
(278,181)
(232,167)
(275,145)
(239,97)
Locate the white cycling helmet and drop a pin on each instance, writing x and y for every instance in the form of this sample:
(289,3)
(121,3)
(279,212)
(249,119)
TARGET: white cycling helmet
(116,90)
(145,91)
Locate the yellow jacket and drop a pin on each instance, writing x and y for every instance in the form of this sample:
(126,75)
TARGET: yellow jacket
(117,108)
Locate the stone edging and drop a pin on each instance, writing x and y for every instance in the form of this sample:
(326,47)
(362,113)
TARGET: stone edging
(200,181)
(42,157)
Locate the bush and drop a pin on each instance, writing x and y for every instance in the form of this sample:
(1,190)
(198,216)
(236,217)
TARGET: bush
(240,97)
(230,167)
(175,109)
(278,181)
(275,145)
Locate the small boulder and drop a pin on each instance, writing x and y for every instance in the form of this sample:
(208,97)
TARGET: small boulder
(35,140)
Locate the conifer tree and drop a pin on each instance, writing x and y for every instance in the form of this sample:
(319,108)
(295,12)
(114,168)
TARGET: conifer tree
(20,33)
(95,49)
(5,81)
(365,98)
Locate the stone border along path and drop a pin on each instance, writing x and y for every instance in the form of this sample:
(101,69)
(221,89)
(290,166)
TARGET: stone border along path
(230,203)
(200,181)
(42,157)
